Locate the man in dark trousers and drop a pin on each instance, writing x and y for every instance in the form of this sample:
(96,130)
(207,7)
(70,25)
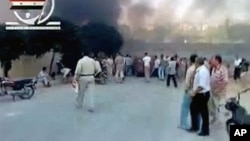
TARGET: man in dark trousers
(172,65)
(237,68)
(200,97)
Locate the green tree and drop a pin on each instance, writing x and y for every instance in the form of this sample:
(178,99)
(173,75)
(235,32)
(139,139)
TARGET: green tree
(94,38)
(11,47)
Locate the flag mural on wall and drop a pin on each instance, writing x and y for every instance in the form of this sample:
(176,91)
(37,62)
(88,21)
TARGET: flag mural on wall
(27,4)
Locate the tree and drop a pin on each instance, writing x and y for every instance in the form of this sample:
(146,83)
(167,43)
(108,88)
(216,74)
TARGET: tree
(11,47)
(94,38)
(40,42)
(101,38)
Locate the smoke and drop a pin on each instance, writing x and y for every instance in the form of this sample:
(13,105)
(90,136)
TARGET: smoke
(79,11)
(160,12)
(138,14)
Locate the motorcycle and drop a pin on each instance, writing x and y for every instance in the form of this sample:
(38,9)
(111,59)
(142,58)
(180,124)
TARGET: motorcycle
(24,89)
(239,113)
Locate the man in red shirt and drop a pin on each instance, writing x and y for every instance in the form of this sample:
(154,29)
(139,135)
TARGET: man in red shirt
(219,82)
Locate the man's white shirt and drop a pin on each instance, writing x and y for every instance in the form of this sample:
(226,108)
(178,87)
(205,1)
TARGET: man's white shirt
(146,61)
(202,79)
(237,62)
(157,63)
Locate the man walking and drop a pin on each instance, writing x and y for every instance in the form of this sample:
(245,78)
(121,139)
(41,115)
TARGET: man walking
(186,97)
(147,70)
(219,81)
(119,63)
(237,68)
(200,97)
(84,77)
(172,72)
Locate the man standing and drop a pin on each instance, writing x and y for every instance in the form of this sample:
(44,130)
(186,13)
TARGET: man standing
(110,66)
(147,71)
(237,68)
(119,63)
(84,77)
(186,97)
(128,65)
(200,97)
(219,81)
(172,71)
(156,66)
(162,67)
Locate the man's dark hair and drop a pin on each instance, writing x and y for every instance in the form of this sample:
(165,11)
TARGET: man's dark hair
(193,58)
(156,56)
(127,55)
(200,60)
(86,53)
(162,56)
(172,58)
(146,53)
(218,58)
(44,68)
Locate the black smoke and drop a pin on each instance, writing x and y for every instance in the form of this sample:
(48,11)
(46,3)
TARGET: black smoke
(79,11)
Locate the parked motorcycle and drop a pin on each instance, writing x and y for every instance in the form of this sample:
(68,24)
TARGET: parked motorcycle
(239,113)
(25,88)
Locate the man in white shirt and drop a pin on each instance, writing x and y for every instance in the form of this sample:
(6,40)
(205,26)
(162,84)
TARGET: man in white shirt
(147,60)
(237,68)
(200,97)
(156,66)
(44,77)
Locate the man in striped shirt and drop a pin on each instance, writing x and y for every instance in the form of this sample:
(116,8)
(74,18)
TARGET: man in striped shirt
(219,81)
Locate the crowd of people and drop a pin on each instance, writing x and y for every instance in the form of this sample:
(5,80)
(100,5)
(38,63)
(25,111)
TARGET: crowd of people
(205,83)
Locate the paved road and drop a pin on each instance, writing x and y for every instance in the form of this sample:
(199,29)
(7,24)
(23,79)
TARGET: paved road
(134,111)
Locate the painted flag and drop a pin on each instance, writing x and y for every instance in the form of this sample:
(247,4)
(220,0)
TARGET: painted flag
(27,4)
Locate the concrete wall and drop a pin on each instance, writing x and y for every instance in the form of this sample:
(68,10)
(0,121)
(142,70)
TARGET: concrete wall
(30,66)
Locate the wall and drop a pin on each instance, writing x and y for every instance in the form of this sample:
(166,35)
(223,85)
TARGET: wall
(227,51)
(30,66)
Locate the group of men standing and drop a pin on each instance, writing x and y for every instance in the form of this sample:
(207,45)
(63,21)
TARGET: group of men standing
(165,68)
(205,94)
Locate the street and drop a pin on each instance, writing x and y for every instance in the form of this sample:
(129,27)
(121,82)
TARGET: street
(133,111)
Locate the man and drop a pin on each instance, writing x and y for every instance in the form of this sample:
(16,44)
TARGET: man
(162,67)
(200,97)
(186,97)
(172,72)
(84,77)
(128,65)
(110,67)
(44,77)
(66,74)
(59,66)
(219,82)
(237,68)
(156,66)
(147,60)
(119,63)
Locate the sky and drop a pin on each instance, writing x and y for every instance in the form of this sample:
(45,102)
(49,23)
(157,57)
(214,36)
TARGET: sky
(145,13)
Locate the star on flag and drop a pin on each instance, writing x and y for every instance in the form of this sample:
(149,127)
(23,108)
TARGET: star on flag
(27,4)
